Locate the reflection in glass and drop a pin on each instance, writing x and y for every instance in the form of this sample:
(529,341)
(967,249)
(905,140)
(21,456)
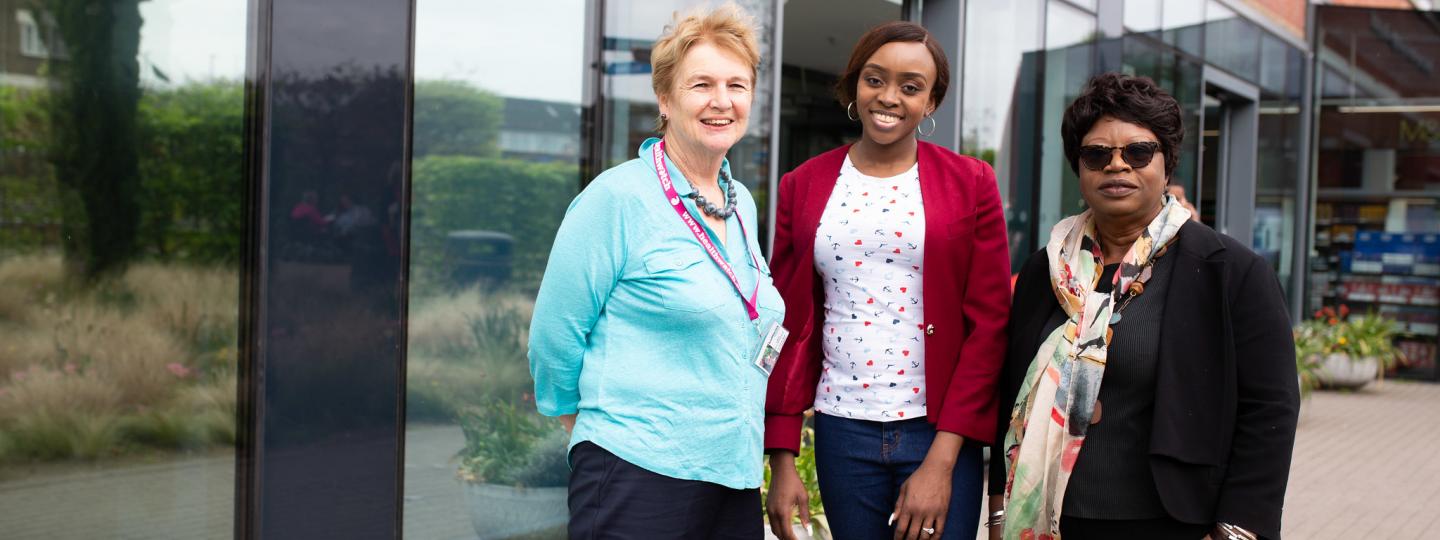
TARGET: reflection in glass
(1069,63)
(1377,171)
(497,153)
(629,102)
(811,120)
(1181,77)
(1232,42)
(1143,15)
(1278,157)
(1066,26)
(121,217)
(1002,44)
(1182,21)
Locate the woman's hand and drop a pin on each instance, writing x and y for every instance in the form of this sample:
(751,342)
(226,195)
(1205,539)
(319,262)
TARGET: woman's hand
(925,496)
(924,500)
(997,503)
(568,420)
(787,492)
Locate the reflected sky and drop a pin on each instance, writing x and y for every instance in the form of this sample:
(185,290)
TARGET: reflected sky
(196,40)
(488,46)
(191,40)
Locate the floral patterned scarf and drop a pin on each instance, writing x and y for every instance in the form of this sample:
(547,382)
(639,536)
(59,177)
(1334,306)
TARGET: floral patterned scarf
(1057,399)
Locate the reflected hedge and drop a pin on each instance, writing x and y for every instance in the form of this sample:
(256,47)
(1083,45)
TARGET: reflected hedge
(191,160)
(522,199)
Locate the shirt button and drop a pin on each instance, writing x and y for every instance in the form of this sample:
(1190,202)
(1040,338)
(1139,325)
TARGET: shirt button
(929,329)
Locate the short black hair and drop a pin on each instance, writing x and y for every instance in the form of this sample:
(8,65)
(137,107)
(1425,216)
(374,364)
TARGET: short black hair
(1137,100)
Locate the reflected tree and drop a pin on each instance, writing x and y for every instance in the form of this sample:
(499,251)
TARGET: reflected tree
(453,118)
(93,121)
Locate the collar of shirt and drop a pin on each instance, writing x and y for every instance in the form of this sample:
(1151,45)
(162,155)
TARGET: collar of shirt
(682,184)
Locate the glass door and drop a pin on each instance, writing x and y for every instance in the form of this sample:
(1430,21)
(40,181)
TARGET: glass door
(811,120)
(1225,195)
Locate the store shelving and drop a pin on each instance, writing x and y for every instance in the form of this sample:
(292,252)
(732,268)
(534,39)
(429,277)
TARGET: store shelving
(1395,274)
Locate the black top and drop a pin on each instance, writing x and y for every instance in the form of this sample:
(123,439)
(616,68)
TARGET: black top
(1225,396)
(1112,478)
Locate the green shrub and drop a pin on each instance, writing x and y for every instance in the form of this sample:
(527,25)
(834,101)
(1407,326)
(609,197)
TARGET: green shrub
(506,444)
(454,118)
(525,200)
(51,435)
(466,349)
(192,190)
(170,429)
(189,143)
(805,466)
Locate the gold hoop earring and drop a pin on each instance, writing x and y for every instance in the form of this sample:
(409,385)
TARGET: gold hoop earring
(933,125)
(848,114)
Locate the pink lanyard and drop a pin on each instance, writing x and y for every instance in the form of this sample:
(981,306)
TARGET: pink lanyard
(704,239)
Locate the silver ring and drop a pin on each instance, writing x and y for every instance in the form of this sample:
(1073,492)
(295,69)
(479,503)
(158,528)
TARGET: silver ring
(927,530)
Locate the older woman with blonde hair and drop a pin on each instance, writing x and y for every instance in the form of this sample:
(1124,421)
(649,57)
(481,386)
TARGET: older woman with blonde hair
(657,324)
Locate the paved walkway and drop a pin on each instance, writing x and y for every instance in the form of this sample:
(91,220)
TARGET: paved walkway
(1363,469)
(1366,465)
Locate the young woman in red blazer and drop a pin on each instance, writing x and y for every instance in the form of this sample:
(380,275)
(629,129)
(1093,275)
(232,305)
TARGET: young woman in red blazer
(897,310)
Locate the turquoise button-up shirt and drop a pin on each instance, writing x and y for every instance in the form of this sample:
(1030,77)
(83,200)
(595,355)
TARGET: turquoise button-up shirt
(638,331)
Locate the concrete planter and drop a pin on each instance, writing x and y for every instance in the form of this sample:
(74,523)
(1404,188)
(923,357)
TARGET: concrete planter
(1339,370)
(498,512)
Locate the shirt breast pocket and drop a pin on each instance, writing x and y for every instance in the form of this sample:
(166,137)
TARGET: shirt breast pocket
(685,281)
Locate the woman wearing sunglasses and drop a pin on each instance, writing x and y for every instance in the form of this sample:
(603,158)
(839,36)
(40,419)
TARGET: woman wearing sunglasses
(1149,387)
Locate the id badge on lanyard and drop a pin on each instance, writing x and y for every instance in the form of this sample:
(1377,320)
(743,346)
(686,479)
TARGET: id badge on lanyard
(774,335)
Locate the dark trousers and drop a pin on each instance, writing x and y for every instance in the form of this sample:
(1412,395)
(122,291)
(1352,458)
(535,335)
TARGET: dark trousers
(1073,528)
(611,498)
(862,464)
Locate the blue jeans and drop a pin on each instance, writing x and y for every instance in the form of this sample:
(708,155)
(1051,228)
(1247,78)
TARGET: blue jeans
(862,464)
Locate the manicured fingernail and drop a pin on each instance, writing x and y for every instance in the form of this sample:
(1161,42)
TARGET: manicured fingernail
(891,522)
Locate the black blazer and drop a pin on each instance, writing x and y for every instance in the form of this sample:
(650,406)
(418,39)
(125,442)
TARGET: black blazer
(1226,393)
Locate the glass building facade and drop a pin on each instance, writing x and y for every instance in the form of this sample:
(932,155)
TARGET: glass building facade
(266,268)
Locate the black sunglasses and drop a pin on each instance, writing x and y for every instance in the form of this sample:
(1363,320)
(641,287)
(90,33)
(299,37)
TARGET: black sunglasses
(1137,154)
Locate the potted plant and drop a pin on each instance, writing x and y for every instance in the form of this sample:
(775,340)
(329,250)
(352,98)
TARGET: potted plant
(1310,343)
(1353,349)
(514,470)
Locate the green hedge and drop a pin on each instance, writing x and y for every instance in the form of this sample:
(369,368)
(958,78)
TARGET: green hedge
(191,157)
(523,199)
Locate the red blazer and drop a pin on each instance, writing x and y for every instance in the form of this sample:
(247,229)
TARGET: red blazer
(966,284)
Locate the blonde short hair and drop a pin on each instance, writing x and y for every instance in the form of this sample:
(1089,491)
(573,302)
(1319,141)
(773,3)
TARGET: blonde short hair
(727,27)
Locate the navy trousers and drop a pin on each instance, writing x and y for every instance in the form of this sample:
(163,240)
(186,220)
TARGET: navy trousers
(610,498)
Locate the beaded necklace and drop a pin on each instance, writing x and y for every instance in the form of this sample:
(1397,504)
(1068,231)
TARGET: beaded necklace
(709,208)
(1136,288)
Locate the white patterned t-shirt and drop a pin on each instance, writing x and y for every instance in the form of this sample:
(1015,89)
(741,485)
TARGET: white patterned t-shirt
(869,250)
